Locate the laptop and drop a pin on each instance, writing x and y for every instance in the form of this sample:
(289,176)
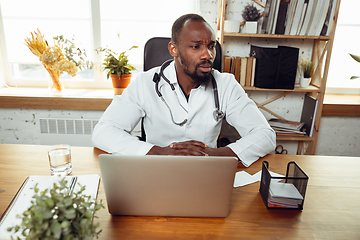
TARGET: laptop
(181,186)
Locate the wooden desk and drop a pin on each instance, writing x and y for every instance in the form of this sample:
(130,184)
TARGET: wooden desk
(331,207)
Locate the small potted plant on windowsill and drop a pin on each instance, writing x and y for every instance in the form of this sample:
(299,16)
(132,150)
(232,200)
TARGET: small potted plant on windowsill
(117,67)
(251,15)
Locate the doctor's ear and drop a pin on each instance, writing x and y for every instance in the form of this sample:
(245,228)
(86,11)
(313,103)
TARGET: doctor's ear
(173,49)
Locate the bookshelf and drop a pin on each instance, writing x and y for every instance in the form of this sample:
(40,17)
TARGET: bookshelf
(319,47)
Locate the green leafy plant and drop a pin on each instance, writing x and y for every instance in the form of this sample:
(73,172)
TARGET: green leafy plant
(306,67)
(59,214)
(356,58)
(115,63)
(250,13)
(73,53)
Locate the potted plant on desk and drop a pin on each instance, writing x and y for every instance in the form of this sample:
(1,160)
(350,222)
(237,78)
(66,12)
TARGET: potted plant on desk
(117,67)
(59,213)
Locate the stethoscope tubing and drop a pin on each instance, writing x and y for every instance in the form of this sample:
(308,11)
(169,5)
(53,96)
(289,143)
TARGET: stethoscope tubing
(218,114)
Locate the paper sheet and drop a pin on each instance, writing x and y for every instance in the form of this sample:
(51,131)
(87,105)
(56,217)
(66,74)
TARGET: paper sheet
(243,178)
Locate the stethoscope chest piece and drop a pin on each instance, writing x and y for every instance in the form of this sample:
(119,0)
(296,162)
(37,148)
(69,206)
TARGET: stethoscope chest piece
(218,115)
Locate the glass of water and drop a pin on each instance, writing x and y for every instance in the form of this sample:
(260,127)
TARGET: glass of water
(60,160)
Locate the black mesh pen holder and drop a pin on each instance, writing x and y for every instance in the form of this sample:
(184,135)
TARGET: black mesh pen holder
(294,175)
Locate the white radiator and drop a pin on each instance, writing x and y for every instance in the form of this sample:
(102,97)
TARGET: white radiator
(75,132)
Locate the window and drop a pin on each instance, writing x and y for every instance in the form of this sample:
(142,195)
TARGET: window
(346,41)
(117,24)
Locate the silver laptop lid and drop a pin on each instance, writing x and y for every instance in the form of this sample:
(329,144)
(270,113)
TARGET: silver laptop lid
(168,185)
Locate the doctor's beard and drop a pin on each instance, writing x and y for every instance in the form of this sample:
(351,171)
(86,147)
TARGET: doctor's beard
(199,79)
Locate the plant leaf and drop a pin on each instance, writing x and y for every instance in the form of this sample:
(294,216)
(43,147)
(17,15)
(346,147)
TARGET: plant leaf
(355,57)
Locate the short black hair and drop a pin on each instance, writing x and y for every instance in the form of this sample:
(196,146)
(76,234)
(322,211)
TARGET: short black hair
(179,23)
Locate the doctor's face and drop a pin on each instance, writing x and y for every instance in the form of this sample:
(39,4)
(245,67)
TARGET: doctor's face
(196,49)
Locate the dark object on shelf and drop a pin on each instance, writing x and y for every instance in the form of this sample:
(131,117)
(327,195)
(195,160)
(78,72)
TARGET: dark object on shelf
(275,67)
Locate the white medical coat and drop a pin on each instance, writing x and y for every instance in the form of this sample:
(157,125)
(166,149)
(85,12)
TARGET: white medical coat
(139,99)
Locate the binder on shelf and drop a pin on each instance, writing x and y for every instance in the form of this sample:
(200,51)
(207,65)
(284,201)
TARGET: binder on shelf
(308,114)
(283,192)
(275,67)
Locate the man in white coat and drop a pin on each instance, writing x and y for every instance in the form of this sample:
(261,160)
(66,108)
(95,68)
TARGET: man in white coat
(185,120)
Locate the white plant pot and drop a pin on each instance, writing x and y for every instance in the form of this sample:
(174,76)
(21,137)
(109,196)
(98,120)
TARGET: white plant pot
(304,82)
(231,26)
(250,27)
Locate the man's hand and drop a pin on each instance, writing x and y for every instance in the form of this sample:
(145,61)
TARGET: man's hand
(187,148)
(191,148)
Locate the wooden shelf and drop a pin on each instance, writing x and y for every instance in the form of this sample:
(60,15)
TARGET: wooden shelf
(296,89)
(242,35)
(300,138)
(320,55)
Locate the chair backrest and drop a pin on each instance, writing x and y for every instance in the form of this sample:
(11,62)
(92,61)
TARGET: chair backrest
(156,53)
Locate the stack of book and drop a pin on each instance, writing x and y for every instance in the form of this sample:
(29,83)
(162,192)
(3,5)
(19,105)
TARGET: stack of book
(284,195)
(243,69)
(285,127)
(298,17)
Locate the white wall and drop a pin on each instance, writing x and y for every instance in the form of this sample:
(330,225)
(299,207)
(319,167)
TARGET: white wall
(338,136)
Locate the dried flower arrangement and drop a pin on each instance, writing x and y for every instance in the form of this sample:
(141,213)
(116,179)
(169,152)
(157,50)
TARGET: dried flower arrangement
(53,58)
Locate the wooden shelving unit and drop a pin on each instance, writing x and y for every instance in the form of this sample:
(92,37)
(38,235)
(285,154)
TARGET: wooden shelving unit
(321,54)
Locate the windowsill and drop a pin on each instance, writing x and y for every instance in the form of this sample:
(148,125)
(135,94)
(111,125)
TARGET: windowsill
(341,105)
(75,99)
(99,99)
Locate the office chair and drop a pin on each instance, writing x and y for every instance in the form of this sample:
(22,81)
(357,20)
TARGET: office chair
(156,53)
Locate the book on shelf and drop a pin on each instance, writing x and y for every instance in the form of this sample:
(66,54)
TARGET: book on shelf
(243,65)
(325,31)
(298,9)
(266,16)
(274,10)
(227,64)
(322,18)
(308,114)
(22,199)
(286,124)
(308,16)
(318,11)
(301,22)
(243,69)
(290,16)
(237,67)
(280,22)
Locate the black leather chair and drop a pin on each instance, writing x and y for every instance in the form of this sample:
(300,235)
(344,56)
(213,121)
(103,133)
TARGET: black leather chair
(156,53)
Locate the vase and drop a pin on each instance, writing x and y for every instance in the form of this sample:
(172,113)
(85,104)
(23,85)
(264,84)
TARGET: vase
(250,27)
(56,83)
(304,82)
(121,83)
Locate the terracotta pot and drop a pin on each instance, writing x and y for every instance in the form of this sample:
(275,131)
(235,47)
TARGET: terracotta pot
(120,84)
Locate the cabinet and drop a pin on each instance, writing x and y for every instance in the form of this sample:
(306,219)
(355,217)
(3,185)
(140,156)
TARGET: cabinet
(317,48)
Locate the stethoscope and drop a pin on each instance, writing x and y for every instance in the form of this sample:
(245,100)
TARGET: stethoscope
(218,114)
